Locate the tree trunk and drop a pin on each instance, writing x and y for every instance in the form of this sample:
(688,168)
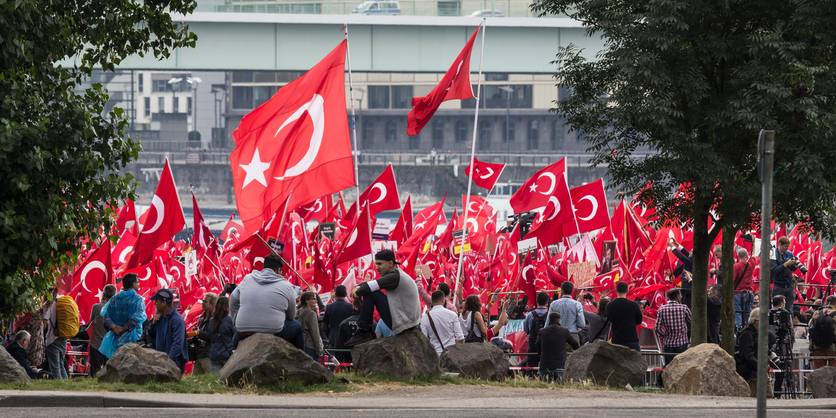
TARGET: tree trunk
(727,309)
(699,285)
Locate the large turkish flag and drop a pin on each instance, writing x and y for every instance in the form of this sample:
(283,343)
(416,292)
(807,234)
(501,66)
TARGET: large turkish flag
(382,194)
(296,144)
(590,204)
(537,190)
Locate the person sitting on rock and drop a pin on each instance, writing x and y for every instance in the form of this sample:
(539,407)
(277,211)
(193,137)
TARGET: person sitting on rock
(551,345)
(399,307)
(124,315)
(168,329)
(347,329)
(17,349)
(266,302)
(440,325)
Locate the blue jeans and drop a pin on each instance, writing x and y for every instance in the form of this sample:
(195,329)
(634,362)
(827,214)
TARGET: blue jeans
(311,352)
(376,299)
(550,375)
(217,365)
(743,302)
(291,332)
(55,354)
(634,346)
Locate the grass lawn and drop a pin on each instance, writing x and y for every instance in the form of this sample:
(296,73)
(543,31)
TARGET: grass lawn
(343,382)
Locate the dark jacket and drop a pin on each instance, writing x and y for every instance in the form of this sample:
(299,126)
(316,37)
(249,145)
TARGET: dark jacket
(625,315)
(551,345)
(202,322)
(688,265)
(19,353)
(220,340)
(345,331)
(169,336)
(747,356)
(713,311)
(335,313)
(781,276)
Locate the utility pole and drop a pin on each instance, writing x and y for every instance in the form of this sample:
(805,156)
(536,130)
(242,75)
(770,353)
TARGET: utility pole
(766,151)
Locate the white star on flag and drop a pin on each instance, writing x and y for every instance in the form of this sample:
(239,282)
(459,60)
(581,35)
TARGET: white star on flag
(255,170)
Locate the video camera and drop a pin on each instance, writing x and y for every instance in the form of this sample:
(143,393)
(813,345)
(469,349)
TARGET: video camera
(524,219)
(781,318)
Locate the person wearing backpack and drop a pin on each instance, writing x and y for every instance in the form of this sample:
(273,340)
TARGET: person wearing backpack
(533,323)
(823,334)
(60,321)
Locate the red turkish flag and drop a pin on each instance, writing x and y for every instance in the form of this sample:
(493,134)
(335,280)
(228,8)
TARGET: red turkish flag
(176,274)
(454,85)
(120,253)
(316,210)
(548,226)
(446,238)
(202,235)
(537,190)
(382,194)
(90,278)
(527,279)
(164,219)
(297,141)
(486,173)
(359,241)
(590,206)
(127,218)
(232,228)
(403,229)
(436,209)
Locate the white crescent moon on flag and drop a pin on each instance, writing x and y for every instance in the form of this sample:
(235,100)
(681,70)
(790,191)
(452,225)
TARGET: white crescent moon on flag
(318,205)
(470,207)
(551,186)
(175,270)
(476,227)
(90,266)
(352,238)
(159,209)
(124,256)
(487,175)
(147,274)
(316,111)
(382,189)
(257,259)
(594,207)
(525,270)
(553,199)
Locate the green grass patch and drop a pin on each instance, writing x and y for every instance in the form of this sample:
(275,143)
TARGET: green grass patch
(342,383)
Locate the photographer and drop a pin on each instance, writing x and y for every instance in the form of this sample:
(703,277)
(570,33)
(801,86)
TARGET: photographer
(782,264)
(747,355)
(823,334)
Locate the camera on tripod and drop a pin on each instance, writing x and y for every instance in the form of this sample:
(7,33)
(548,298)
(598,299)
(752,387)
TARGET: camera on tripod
(799,265)
(781,319)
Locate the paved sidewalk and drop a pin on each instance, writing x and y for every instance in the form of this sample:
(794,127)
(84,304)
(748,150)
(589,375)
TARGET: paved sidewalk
(469,397)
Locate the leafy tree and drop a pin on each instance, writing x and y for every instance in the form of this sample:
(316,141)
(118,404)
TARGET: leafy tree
(59,155)
(694,82)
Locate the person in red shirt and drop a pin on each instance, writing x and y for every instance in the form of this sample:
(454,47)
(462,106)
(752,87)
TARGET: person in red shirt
(743,287)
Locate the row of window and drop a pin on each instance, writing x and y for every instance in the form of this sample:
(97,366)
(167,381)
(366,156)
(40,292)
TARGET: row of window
(461,133)
(162,86)
(161,105)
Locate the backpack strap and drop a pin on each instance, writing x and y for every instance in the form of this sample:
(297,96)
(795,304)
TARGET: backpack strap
(435,331)
(737,280)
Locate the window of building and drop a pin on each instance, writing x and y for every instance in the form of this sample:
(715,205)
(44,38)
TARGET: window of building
(449,8)
(414,141)
(391,131)
(508,131)
(438,134)
(496,77)
(262,94)
(368,134)
(401,97)
(378,97)
(140,81)
(242,76)
(557,135)
(189,105)
(485,136)
(158,86)
(461,131)
(161,105)
(147,106)
(175,108)
(533,135)
(242,97)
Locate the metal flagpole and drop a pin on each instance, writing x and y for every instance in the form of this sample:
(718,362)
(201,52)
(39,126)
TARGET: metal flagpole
(284,212)
(472,156)
(353,121)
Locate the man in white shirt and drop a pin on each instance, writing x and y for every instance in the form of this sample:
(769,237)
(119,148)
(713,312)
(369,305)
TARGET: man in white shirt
(441,325)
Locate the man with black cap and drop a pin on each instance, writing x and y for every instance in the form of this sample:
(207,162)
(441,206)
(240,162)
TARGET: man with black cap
(398,308)
(168,329)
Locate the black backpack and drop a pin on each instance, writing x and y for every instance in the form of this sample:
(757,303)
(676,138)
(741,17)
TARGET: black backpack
(537,323)
(823,329)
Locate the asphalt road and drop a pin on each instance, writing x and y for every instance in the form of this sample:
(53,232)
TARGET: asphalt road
(37,412)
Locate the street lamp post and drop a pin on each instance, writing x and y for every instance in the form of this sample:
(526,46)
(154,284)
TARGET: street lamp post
(362,92)
(508,90)
(194,82)
(171,82)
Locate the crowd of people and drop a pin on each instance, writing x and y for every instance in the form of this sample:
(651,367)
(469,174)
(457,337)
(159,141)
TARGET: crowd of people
(558,323)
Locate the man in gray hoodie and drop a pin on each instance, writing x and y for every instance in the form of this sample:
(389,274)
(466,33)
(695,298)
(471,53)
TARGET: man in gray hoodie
(266,302)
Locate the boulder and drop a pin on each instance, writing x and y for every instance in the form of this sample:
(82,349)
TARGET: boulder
(705,369)
(605,364)
(134,364)
(11,371)
(264,359)
(476,361)
(404,356)
(823,382)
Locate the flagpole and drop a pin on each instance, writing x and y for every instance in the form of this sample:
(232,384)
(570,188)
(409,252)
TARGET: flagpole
(353,121)
(284,262)
(472,156)
(284,212)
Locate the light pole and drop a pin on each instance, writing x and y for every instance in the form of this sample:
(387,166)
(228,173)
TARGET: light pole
(171,82)
(508,90)
(362,92)
(194,82)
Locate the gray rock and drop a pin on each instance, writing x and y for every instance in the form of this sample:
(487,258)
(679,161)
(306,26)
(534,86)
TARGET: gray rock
(265,359)
(605,364)
(475,360)
(11,371)
(404,356)
(134,364)
(823,382)
(706,370)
